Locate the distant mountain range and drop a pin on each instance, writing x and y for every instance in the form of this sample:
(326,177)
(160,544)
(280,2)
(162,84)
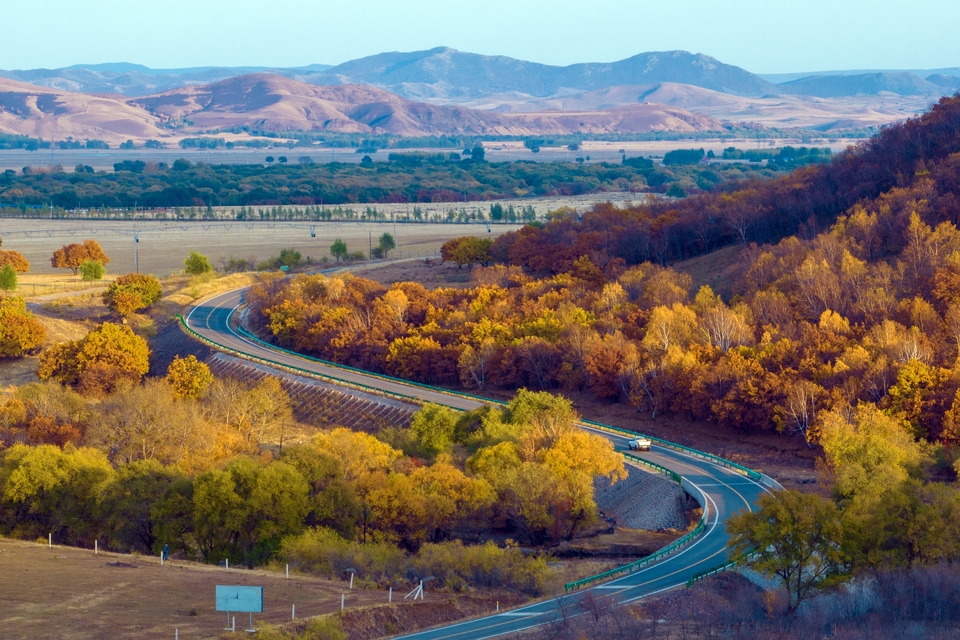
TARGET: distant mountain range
(444,91)
(445,72)
(865,84)
(127,79)
(274,103)
(447,75)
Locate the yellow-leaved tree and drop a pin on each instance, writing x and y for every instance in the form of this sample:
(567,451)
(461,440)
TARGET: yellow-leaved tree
(358,453)
(97,363)
(20,331)
(188,377)
(543,470)
(866,452)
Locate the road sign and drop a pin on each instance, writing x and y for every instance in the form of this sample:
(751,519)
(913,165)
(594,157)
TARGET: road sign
(239,599)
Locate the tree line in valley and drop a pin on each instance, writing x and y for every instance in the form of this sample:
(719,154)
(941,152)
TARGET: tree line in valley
(409,178)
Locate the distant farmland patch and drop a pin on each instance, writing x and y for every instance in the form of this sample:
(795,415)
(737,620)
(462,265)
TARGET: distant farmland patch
(162,247)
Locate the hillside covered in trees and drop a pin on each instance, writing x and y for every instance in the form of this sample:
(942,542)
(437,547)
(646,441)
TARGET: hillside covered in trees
(916,159)
(842,330)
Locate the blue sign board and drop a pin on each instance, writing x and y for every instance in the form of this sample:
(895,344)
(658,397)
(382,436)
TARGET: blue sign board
(239,599)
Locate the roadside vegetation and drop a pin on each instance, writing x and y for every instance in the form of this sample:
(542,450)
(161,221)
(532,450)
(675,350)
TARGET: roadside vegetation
(206,465)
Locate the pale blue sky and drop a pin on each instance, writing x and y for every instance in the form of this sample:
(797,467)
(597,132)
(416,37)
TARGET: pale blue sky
(763,36)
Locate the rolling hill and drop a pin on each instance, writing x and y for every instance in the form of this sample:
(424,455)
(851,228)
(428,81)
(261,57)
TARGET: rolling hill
(445,91)
(133,79)
(436,73)
(53,114)
(275,103)
(903,84)
(446,72)
(777,111)
(945,81)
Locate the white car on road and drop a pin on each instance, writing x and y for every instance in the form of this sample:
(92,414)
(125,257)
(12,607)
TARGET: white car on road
(640,444)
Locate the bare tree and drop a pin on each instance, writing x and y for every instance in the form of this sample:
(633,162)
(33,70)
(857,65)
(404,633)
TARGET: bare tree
(801,406)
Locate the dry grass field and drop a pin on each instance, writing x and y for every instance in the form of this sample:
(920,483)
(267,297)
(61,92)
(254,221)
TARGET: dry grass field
(74,594)
(602,150)
(164,245)
(70,593)
(33,285)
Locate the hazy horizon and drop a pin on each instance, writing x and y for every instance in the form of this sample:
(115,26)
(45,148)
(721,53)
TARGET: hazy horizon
(761,37)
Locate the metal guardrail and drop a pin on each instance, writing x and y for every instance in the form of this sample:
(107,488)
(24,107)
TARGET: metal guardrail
(697,577)
(639,564)
(750,473)
(653,466)
(684,540)
(380,376)
(297,370)
(624,569)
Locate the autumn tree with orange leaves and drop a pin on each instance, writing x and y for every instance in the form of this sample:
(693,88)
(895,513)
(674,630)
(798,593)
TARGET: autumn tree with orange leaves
(71,256)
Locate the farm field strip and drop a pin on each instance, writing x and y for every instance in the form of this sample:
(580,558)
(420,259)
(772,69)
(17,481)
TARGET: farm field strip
(162,252)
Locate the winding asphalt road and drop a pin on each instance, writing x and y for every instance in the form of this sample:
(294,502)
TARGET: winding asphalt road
(721,491)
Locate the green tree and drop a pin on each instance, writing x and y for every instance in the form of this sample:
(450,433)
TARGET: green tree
(357,453)
(913,523)
(289,258)
(683,156)
(867,452)
(127,504)
(92,270)
(387,244)
(794,536)
(434,428)
(243,511)
(45,489)
(196,264)
(333,502)
(173,516)
(339,249)
(8,278)
(467,250)
(478,154)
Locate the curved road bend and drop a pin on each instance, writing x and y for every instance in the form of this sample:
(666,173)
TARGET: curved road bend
(722,490)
